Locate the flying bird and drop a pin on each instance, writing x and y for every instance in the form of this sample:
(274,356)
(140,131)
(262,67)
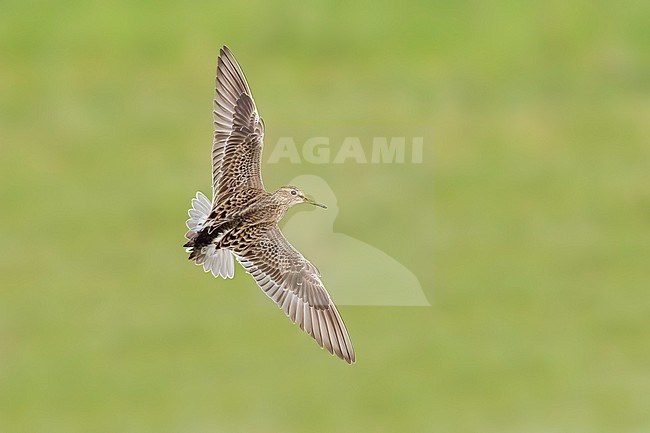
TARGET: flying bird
(241,221)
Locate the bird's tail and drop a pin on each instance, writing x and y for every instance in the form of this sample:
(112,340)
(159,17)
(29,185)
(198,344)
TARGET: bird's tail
(218,261)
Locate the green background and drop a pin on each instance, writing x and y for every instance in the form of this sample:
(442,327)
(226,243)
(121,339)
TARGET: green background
(528,224)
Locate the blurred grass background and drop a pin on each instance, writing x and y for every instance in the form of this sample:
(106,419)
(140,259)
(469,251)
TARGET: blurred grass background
(527,224)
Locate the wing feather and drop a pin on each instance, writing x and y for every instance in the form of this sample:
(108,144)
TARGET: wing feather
(295,286)
(238,135)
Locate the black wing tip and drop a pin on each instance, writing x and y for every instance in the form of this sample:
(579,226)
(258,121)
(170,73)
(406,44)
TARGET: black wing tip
(347,351)
(351,360)
(349,355)
(225,52)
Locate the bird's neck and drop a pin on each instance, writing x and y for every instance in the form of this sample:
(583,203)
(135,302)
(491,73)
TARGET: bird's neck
(278,213)
(277,208)
(271,210)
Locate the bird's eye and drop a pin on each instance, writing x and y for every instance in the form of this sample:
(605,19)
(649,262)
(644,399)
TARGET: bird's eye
(293,192)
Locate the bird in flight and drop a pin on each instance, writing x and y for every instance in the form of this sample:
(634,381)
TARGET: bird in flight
(241,221)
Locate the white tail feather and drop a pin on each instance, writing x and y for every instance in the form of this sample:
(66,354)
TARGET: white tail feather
(198,213)
(219,262)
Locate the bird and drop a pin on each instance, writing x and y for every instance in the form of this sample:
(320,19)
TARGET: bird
(241,220)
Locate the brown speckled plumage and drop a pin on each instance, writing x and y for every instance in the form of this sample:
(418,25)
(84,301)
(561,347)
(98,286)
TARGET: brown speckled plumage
(242,219)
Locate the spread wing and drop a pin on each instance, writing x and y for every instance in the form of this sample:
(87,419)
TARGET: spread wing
(238,134)
(294,284)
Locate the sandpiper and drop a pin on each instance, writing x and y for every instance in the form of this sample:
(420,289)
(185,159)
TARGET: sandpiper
(242,219)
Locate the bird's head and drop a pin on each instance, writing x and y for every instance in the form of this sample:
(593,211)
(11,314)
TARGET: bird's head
(291,195)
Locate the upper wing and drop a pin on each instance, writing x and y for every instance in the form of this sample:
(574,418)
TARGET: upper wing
(294,284)
(238,133)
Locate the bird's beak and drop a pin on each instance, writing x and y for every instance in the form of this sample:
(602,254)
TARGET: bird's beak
(310,201)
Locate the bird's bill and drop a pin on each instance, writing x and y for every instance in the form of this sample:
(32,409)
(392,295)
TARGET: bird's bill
(310,201)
